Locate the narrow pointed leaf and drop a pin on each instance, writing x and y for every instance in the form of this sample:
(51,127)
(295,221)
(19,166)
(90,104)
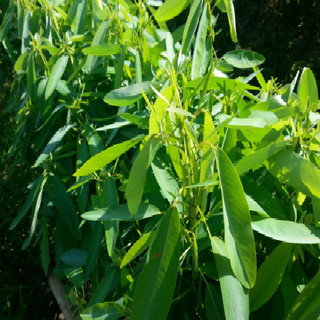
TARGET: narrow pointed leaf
(234,296)
(52,144)
(238,232)
(287,231)
(105,157)
(56,74)
(231,19)
(270,275)
(102,311)
(102,50)
(156,283)
(138,174)
(121,213)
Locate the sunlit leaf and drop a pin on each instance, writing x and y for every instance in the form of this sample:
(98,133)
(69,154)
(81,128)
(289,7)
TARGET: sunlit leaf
(243,59)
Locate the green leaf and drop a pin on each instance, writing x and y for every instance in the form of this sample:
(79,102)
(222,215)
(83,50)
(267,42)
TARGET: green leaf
(200,45)
(243,59)
(121,213)
(238,232)
(137,248)
(242,123)
(231,19)
(22,62)
(307,305)
(156,283)
(127,95)
(74,257)
(105,157)
(141,122)
(191,25)
(256,159)
(81,16)
(292,169)
(234,296)
(104,287)
(287,231)
(167,181)
(102,50)
(52,144)
(45,249)
(169,10)
(269,276)
(97,40)
(213,303)
(94,246)
(56,74)
(102,311)
(307,89)
(181,112)
(138,173)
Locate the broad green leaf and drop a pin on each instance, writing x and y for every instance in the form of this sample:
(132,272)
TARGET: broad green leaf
(94,246)
(181,112)
(138,174)
(191,25)
(307,89)
(94,141)
(102,50)
(105,157)
(137,248)
(169,10)
(56,74)
(102,311)
(231,19)
(243,59)
(74,257)
(97,40)
(52,144)
(234,296)
(219,83)
(256,159)
(156,282)
(238,232)
(141,122)
(287,231)
(22,62)
(121,213)
(104,287)
(307,305)
(81,16)
(127,95)
(269,275)
(200,45)
(292,169)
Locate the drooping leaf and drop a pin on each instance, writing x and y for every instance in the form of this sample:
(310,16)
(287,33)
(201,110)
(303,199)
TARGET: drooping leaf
(307,304)
(238,232)
(105,157)
(232,19)
(294,170)
(156,283)
(102,50)
(138,173)
(243,59)
(269,276)
(200,45)
(234,296)
(56,74)
(127,95)
(52,144)
(287,231)
(191,25)
(307,89)
(137,248)
(121,213)
(102,311)
(169,10)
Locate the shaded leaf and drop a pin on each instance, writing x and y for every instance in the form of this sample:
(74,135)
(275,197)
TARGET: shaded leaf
(102,311)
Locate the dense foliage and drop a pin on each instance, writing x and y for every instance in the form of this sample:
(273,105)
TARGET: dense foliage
(167,181)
